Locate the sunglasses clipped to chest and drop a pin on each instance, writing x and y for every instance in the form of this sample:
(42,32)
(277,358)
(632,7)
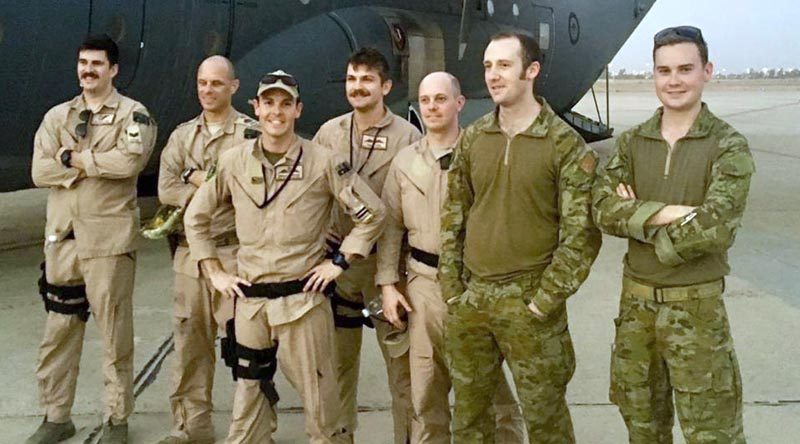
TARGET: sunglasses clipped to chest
(83,127)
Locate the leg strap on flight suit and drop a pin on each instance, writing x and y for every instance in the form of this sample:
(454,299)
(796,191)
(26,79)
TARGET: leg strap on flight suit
(262,364)
(69,300)
(342,321)
(262,367)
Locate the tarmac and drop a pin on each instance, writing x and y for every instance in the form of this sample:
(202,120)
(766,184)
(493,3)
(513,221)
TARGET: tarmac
(762,297)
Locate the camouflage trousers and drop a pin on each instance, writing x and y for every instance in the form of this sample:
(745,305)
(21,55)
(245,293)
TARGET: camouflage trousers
(682,344)
(490,322)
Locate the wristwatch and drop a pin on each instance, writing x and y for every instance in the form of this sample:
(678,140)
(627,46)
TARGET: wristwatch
(339,260)
(66,158)
(187,173)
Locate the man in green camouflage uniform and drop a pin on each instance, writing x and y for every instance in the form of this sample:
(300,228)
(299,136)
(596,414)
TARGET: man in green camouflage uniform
(517,240)
(676,188)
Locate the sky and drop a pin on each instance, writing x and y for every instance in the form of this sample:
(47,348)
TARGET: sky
(741,34)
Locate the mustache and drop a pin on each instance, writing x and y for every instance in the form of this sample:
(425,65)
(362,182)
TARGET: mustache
(88,75)
(359,92)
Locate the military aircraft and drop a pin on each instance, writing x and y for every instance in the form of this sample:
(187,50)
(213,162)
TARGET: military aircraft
(162,42)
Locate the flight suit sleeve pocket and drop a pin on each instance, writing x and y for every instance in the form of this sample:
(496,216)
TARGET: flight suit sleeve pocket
(133,137)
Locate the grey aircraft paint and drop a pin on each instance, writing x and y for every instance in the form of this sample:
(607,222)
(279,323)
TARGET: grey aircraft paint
(162,42)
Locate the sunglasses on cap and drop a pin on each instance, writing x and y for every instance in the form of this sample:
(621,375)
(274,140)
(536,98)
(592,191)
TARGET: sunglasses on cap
(287,80)
(688,32)
(82,128)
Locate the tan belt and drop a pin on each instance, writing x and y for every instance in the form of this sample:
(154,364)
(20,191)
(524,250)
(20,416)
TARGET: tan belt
(672,294)
(223,240)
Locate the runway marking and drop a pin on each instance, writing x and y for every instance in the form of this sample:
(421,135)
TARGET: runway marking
(146,376)
(756,110)
(775,153)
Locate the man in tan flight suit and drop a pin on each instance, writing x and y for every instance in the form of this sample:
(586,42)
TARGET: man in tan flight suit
(369,137)
(189,157)
(89,151)
(283,189)
(414,192)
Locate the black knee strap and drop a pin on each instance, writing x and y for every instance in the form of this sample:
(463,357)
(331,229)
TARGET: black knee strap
(262,366)
(342,321)
(71,299)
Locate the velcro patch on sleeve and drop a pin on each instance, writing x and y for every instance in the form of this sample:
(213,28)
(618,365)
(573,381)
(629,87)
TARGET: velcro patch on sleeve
(588,163)
(142,118)
(133,135)
(250,133)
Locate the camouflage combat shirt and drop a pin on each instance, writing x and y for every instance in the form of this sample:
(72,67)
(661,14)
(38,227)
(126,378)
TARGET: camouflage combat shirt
(709,168)
(520,206)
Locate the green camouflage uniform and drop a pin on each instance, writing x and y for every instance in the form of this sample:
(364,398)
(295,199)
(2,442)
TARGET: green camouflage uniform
(490,270)
(672,332)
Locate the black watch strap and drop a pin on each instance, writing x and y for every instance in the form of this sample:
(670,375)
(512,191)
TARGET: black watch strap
(339,260)
(187,173)
(66,158)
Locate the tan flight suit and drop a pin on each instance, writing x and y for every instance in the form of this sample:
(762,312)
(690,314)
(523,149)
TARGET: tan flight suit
(414,192)
(92,226)
(199,311)
(358,283)
(281,243)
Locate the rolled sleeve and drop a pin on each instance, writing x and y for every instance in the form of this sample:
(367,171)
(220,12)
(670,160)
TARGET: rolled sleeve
(643,213)
(665,250)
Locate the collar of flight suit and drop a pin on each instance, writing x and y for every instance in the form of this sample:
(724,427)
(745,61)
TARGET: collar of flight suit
(387,120)
(701,127)
(112,101)
(420,165)
(258,172)
(290,156)
(538,129)
(228,127)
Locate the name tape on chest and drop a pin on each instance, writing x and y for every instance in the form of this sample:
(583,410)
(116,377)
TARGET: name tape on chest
(282,172)
(103,119)
(381,142)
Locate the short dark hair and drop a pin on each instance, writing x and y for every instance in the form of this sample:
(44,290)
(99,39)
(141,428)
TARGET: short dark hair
(372,59)
(529,52)
(102,42)
(681,34)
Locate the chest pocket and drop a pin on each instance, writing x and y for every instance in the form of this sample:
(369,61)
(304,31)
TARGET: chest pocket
(104,137)
(307,209)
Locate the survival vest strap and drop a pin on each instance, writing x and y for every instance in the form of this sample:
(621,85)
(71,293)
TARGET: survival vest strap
(342,321)
(429,259)
(69,300)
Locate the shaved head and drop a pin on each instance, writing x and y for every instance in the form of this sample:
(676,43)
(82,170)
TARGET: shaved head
(218,63)
(216,85)
(441,76)
(440,101)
